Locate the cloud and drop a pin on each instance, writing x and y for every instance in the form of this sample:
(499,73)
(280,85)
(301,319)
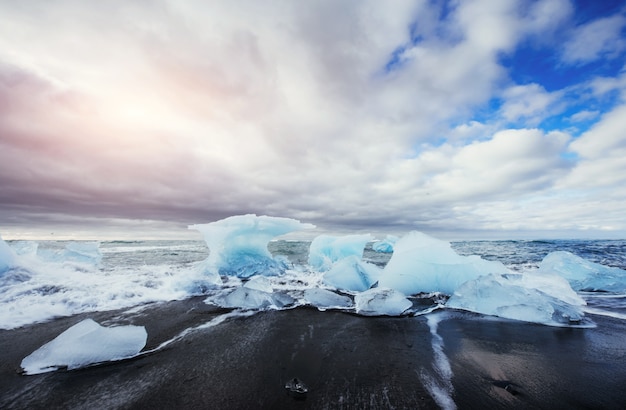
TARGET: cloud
(350,114)
(597,38)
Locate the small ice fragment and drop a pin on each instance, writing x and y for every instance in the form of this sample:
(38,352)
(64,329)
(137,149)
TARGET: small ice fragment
(247,298)
(325,299)
(381,302)
(84,344)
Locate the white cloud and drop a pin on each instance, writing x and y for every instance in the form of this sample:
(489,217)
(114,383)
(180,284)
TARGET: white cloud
(597,38)
(531,103)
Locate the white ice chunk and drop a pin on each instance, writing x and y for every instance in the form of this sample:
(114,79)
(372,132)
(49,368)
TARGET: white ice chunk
(386,245)
(583,274)
(351,273)
(7,256)
(326,299)
(84,344)
(514,296)
(325,250)
(247,298)
(260,283)
(381,302)
(421,263)
(238,245)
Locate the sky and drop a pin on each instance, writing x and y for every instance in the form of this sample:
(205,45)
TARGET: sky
(471,119)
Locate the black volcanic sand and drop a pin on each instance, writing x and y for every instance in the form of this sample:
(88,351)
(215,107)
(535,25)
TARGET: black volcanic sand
(347,362)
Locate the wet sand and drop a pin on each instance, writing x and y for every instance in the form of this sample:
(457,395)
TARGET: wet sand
(347,362)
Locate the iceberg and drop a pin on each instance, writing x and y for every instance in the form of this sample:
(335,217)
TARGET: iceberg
(528,298)
(325,250)
(84,344)
(381,302)
(386,245)
(351,273)
(422,264)
(7,256)
(238,245)
(582,274)
(326,299)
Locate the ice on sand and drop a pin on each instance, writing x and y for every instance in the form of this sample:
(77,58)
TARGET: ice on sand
(582,274)
(421,263)
(238,245)
(249,298)
(86,343)
(381,302)
(326,299)
(529,298)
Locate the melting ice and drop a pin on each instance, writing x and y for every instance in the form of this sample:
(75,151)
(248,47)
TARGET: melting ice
(239,272)
(84,344)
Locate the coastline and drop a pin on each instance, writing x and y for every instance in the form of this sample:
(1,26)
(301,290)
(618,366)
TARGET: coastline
(346,361)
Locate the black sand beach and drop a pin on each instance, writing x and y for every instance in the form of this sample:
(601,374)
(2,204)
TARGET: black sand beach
(347,362)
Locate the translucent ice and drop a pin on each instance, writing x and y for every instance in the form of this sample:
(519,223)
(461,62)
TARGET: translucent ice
(381,302)
(325,250)
(386,245)
(351,273)
(238,245)
(249,298)
(583,274)
(7,257)
(86,343)
(421,263)
(520,297)
(325,299)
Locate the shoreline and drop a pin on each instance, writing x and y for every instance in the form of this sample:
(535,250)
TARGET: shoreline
(345,360)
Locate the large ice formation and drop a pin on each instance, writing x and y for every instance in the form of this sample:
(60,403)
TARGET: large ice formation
(421,263)
(386,245)
(238,245)
(381,302)
(325,250)
(582,274)
(7,256)
(84,344)
(530,298)
(351,273)
(326,299)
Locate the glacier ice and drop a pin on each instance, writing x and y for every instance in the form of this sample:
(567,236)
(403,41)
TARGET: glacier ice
(381,302)
(421,263)
(7,256)
(325,250)
(84,344)
(238,245)
(351,273)
(386,245)
(250,298)
(582,274)
(326,299)
(529,298)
